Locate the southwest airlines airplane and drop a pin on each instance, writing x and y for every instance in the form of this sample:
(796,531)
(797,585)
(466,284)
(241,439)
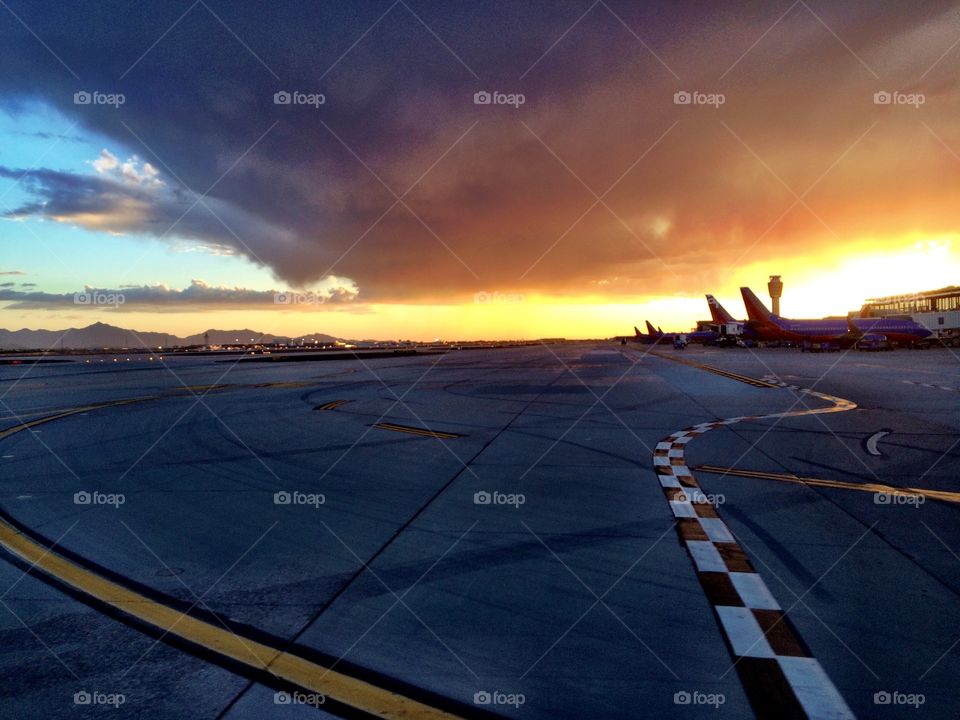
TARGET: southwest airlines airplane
(764,325)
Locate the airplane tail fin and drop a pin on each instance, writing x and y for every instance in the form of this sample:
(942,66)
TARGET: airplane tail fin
(637,332)
(755,309)
(651,330)
(718,313)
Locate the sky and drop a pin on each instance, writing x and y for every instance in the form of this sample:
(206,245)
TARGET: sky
(488,169)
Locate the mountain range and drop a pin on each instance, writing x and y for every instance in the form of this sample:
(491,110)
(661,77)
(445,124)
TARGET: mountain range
(100,335)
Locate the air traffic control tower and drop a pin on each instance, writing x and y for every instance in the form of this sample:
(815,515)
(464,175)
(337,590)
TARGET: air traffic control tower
(775,288)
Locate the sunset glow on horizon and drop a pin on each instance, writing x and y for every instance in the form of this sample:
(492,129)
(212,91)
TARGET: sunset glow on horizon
(513,184)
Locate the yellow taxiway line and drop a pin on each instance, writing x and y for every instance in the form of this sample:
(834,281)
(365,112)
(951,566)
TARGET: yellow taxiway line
(292,668)
(332,405)
(417,431)
(67,413)
(309,675)
(862,487)
(718,371)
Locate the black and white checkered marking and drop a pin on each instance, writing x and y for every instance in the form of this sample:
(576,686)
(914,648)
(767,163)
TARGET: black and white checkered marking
(781,677)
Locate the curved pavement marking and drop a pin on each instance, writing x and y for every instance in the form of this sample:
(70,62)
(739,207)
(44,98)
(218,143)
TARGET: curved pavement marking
(294,669)
(67,413)
(780,676)
(873,440)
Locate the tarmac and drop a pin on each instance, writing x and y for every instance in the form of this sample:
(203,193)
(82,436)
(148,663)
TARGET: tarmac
(485,532)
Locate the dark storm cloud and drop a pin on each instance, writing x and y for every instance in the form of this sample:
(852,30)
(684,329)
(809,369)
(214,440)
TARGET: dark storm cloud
(308,190)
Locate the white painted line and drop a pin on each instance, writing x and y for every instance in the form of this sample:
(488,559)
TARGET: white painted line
(669,481)
(705,556)
(873,440)
(661,461)
(682,509)
(682,470)
(683,439)
(753,591)
(818,696)
(664,446)
(717,530)
(675,453)
(744,632)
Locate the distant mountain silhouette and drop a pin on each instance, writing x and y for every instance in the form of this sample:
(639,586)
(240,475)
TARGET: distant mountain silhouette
(100,335)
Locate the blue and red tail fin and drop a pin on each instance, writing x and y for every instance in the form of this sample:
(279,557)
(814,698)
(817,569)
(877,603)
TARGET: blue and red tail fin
(651,330)
(718,313)
(755,309)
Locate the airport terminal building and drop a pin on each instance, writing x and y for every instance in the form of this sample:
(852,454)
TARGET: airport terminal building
(937,310)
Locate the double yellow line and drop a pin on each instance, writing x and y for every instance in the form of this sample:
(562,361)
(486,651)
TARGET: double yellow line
(417,431)
(717,371)
(737,376)
(333,404)
(67,413)
(817,482)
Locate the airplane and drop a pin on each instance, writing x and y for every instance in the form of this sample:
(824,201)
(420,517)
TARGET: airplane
(653,337)
(844,331)
(719,314)
(729,328)
(658,335)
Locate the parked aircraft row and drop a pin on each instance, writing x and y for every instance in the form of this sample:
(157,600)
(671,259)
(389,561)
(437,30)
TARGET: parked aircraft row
(762,325)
